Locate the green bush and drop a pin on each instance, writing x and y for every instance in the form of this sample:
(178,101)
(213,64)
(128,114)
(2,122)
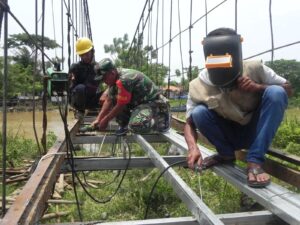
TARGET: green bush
(19,148)
(288,134)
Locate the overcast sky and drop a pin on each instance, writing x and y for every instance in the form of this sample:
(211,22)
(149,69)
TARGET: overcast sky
(114,18)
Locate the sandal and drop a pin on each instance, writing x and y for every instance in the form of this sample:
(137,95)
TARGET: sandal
(254,183)
(216,159)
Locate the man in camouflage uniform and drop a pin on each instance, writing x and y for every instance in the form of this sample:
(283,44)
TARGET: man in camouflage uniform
(130,93)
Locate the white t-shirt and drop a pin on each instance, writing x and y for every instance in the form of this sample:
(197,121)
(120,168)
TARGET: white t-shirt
(270,77)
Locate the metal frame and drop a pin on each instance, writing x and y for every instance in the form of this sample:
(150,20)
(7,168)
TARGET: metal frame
(283,205)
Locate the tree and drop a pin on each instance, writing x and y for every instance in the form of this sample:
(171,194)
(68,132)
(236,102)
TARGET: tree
(21,63)
(289,69)
(20,79)
(25,47)
(137,57)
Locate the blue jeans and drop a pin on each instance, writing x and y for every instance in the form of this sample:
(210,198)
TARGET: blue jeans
(256,136)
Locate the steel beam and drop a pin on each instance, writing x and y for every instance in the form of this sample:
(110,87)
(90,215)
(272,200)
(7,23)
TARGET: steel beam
(98,139)
(201,212)
(115,163)
(280,201)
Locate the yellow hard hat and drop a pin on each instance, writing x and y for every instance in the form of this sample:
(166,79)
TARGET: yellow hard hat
(83,45)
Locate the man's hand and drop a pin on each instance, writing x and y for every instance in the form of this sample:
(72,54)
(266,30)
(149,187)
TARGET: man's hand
(288,88)
(194,156)
(190,135)
(244,83)
(95,123)
(103,123)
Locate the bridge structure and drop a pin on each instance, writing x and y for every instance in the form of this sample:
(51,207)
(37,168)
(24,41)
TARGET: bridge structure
(281,205)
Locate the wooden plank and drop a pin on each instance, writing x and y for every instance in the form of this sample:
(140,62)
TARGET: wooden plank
(31,203)
(284,156)
(277,170)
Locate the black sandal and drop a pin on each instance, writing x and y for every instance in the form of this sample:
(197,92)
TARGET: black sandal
(254,183)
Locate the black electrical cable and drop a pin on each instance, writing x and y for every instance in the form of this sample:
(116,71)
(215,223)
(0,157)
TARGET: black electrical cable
(70,150)
(155,183)
(117,140)
(71,162)
(117,189)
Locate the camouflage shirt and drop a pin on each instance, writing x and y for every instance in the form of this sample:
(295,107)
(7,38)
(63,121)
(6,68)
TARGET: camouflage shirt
(141,88)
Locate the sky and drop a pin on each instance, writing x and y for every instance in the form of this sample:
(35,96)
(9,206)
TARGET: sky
(114,18)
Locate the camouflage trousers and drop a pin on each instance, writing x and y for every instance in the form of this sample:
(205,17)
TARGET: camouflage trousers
(148,117)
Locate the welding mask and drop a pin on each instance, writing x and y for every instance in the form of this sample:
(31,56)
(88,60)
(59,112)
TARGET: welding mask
(223,59)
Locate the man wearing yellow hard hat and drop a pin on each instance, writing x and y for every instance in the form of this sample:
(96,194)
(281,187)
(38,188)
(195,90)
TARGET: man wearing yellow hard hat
(84,89)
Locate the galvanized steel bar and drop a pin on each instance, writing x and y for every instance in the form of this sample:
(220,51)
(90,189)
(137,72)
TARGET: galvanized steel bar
(278,200)
(201,212)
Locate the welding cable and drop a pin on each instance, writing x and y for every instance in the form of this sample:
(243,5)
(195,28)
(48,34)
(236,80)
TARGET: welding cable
(155,183)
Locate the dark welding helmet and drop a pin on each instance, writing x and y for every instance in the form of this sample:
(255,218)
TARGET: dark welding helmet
(104,66)
(223,59)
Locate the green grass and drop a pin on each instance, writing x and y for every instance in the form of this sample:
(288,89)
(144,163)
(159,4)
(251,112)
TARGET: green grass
(132,198)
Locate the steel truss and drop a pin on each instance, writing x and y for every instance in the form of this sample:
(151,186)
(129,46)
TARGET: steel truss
(282,205)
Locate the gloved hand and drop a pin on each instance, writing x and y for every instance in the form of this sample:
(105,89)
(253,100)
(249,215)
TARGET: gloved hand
(87,128)
(244,83)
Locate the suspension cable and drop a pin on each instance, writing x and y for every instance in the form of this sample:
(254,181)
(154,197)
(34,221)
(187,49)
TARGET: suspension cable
(162,32)
(34,75)
(34,41)
(4,114)
(270,50)
(87,18)
(170,41)
(156,41)
(190,40)
(45,82)
(235,15)
(53,24)
(62,35)
(196,21)
(180,41)
(206,20)
(148,39)
(271,29)
(137,29)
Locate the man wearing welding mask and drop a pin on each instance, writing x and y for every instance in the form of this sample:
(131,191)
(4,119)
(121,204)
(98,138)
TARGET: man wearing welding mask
(235,104)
